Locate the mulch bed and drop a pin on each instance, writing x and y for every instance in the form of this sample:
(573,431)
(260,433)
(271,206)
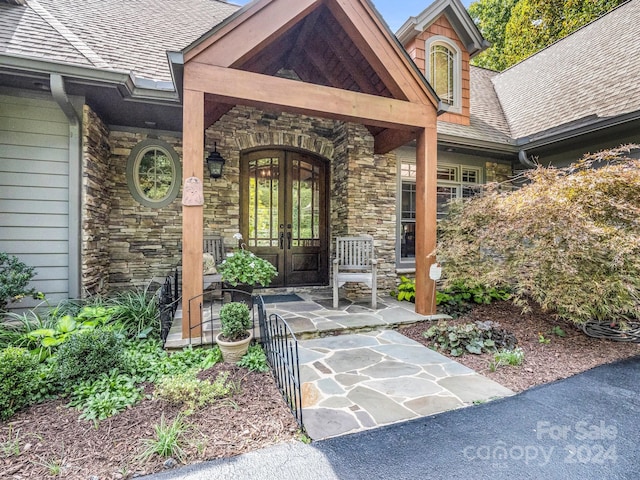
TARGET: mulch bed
(51,434)
(560,358)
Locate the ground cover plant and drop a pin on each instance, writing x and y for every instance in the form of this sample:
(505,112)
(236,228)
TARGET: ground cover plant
(569,239)
(97,370)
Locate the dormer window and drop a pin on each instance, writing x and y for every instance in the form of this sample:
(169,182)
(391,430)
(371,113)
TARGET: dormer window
(444,71)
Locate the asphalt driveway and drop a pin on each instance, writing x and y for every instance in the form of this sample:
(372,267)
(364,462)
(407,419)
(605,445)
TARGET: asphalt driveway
(585,427)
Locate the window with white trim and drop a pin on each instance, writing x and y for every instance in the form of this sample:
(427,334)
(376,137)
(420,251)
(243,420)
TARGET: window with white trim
(454,181)
(444,70)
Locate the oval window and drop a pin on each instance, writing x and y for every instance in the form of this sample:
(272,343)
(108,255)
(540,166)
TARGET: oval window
(153,173)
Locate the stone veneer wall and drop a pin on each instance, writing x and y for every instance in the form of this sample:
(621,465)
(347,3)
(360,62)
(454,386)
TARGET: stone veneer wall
(364,197)
(96,203)
(244,128)
(144,242)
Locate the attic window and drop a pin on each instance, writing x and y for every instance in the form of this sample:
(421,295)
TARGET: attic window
(444,71)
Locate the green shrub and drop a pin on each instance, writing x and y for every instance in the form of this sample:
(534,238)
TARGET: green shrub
(14,278)
(191,359)
(15,328)
(87,354)
(406,290)
(235,320)
(568,239)
(137,312)
(105,396)
(481,337)
(254,360)
(186,389)
(460,297)
(18,381)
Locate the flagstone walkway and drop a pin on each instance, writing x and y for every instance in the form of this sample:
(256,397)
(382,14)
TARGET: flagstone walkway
(360,381)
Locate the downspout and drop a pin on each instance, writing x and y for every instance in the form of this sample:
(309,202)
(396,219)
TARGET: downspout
(524,159)
(75,171)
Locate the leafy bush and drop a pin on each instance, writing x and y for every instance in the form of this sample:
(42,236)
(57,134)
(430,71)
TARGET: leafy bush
(87,354)
(187,389)
(235,320)
(460,297)
(481,337)
(255,360)
(16,327)
(14,278)
(137,312)
(406,290)
(18,382)
(569,239)
(245,267)
(105,396)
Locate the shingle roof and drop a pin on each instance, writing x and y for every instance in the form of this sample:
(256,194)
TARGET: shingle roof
(25,33)
(594,71)
(487,121)
(126,35)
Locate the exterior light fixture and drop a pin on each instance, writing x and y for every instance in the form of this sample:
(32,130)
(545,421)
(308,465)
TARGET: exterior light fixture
(215,162)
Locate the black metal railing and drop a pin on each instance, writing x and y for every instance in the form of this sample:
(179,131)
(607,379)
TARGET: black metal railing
(281,347)
(168,300)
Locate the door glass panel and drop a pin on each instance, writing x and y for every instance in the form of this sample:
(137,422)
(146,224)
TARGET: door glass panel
(305,200)
(263,202)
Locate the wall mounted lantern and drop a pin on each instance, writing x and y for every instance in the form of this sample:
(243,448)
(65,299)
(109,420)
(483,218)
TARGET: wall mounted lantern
(215,162)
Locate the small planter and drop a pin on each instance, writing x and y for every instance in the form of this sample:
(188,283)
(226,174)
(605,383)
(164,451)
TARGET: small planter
(232,352)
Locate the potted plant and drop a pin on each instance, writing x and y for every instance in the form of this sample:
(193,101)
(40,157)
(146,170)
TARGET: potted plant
(242,270)
(234,336)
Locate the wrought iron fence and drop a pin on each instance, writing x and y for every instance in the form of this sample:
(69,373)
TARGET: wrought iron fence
(168,299)
(281,347)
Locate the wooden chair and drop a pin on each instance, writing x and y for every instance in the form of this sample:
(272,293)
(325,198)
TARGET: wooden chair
(355,262)
(214,245)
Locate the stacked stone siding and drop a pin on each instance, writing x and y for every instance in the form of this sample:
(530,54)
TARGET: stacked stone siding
(129,243)
(144,242)
(96,203)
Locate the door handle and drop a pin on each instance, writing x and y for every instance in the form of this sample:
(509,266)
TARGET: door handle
(281,240)
(289,239)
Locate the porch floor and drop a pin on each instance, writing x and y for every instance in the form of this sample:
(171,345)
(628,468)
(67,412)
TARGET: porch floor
(314,316)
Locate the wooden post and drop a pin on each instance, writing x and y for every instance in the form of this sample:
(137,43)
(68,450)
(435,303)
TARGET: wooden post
(192,216)
(426,217)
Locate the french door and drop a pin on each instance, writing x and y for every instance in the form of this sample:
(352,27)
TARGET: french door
(284,214)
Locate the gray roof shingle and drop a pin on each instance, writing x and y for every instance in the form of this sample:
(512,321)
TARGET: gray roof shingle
(592,72)
(123,35)
(25,33)
(487,121)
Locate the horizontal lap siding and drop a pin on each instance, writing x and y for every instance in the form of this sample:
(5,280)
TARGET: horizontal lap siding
(34,190)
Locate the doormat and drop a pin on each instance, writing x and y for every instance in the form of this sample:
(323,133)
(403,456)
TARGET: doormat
(284,298)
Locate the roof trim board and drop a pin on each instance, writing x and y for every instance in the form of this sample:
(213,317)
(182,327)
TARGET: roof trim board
(459,18)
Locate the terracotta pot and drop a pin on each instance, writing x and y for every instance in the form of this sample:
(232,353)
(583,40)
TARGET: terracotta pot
(232,352)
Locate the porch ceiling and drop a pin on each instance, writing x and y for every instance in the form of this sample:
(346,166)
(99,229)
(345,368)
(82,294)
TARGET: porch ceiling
(328,43)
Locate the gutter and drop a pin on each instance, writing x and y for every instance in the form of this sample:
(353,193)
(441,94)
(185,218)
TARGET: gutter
(59,94)
(130,87)
(543,140)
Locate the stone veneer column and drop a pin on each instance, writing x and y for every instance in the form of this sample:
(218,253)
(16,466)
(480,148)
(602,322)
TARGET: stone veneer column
(364,197)
(96,203)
